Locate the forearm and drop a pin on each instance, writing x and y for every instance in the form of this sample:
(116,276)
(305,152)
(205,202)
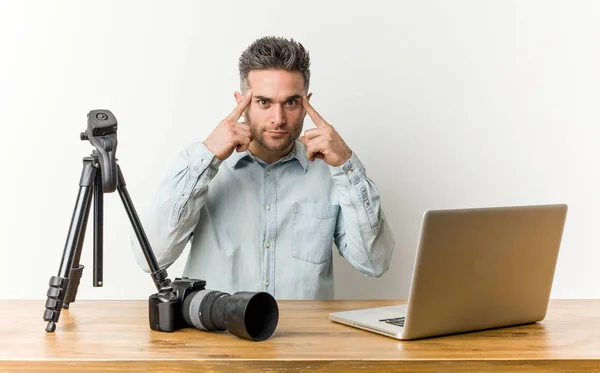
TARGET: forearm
(175,210)
(363,234)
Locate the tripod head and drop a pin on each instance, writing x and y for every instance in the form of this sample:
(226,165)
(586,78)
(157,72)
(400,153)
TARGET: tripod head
(101,132)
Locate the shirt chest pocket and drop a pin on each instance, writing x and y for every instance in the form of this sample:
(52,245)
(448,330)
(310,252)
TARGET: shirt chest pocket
(313,229)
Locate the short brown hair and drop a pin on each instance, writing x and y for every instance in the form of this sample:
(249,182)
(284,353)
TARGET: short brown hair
(274,53)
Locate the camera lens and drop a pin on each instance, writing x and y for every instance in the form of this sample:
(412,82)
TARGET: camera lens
(245,314)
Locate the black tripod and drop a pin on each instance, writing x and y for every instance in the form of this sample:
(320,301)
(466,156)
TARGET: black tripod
(101,174)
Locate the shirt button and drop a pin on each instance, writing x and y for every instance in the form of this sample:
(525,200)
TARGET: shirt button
(367,204)
(349,172)
(267,283)
(268,207)
(268,245)
(204,161)
(268,172)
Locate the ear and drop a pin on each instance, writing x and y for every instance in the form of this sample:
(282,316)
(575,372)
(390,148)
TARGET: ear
(238,97)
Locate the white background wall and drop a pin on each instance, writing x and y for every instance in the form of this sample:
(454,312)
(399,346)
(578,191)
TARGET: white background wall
(449,104)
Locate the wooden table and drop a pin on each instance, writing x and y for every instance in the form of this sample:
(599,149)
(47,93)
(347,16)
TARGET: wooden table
(114,335)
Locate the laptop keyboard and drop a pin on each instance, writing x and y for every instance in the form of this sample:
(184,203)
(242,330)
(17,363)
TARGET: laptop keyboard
(398,321)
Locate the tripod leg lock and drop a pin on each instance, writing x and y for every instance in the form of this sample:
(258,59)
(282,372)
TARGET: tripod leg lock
(56,295)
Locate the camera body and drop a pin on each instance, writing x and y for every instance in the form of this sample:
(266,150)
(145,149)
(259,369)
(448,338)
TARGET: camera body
(166,307)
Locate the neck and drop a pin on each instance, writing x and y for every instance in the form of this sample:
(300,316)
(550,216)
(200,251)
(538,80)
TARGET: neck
(268,156)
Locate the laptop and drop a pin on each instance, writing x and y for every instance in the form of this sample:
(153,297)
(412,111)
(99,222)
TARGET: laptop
(475,269)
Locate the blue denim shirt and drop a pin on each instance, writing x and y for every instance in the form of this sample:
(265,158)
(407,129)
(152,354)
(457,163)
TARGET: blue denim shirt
(259,227)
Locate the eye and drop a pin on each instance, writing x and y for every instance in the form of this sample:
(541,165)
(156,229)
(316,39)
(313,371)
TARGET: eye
(291,103)
(263,102)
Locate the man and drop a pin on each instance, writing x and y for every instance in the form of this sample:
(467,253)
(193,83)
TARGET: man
(261,207)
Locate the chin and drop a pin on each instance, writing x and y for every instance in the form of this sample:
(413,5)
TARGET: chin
(277,145)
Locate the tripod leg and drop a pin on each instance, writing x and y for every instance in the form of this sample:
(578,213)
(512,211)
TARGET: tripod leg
(59,284)
(76,268)
(98,228)
(159,275)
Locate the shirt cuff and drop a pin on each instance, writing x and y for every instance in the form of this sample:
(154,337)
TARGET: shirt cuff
(199,158)
(349,173)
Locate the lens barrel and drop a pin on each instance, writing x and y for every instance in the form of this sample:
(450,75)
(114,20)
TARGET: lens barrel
(250,315)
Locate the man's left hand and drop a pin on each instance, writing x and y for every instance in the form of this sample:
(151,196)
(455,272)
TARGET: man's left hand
(324,142)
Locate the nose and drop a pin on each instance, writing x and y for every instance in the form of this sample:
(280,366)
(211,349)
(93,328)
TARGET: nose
(277,117)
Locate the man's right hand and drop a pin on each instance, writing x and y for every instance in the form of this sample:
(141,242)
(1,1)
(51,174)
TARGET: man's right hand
(230,134)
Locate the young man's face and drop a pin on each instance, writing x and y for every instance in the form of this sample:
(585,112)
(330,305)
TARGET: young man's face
(275,115)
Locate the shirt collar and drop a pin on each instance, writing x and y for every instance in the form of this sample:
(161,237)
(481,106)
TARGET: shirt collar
(298,152)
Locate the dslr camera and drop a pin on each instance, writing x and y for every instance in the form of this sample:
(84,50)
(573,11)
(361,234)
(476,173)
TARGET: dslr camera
(187,303)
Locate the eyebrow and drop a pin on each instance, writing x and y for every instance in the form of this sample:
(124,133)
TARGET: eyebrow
(268,99)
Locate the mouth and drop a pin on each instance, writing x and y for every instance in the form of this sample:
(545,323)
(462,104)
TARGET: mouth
(277,133)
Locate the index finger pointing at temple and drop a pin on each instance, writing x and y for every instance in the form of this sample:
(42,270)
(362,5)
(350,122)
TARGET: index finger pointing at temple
(241,106)
(316,117)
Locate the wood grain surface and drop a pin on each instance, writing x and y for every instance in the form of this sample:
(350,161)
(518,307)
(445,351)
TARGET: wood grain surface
(115,336)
